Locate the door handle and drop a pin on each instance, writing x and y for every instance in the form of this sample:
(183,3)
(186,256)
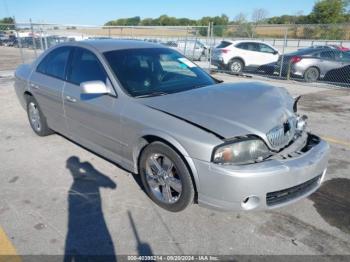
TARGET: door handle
(34,86)
(71,99)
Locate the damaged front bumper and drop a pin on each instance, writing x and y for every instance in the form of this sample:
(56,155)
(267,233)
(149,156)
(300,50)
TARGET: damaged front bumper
(292,174)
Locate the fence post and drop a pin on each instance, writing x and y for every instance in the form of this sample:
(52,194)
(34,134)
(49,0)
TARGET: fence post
(211,46)
(185,47)
(284,45)
(33,37)
(194,47)
(19,39)
(41,38)
(45,40)
(208,44)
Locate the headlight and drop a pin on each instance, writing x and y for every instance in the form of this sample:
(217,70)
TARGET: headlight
(245,151)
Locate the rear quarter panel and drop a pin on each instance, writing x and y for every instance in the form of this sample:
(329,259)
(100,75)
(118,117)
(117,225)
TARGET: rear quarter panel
(22,75)
(327,65)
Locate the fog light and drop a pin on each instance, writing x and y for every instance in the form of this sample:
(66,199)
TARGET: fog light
(250,202)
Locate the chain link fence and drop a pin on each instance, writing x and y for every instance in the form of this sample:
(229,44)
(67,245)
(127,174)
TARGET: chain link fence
(32,39)
(307,53)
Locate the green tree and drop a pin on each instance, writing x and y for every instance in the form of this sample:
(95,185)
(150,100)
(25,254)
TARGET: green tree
(220,24)
(133,20)
(147,22)
(165,20)
(7,23)
(329,12)
(125,21)
(7,20)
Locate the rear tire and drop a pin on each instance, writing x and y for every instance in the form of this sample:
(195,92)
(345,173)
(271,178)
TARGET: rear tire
(311,74)
(236,66)
(36,118)
(165,177)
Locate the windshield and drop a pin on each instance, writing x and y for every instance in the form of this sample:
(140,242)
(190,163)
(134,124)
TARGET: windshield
(155,71)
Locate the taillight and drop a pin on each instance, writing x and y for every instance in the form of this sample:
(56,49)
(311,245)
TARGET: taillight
(225,51)
(295,59)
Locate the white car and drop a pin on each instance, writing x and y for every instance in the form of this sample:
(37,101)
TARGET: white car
(239,55)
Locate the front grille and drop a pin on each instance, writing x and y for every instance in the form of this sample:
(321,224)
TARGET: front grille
(279,197)
(281,135)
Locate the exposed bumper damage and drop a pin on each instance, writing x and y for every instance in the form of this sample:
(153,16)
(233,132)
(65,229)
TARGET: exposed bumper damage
(292,174)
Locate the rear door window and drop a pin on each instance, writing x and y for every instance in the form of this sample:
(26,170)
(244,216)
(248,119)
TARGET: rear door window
(85,66)
(329,55)
(55,63)
(249,46)
(242,46)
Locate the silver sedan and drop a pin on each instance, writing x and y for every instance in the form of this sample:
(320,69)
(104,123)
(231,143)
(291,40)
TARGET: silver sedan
(314,63)
(190,137)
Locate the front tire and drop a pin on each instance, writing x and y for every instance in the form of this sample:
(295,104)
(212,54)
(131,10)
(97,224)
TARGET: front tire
(165,177)
(36,118)
(236,66)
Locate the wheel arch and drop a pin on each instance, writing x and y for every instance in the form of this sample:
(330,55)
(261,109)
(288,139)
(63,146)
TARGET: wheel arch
(172,143)
(316,67)
(238,58)
(26,94)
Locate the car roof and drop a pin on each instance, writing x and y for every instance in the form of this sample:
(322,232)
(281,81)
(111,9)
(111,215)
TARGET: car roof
(105,45)
(309,51)
(243,41)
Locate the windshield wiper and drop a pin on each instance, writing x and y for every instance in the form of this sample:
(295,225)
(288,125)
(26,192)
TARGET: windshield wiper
(152,94)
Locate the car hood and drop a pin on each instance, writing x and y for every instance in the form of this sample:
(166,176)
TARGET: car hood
(229,110)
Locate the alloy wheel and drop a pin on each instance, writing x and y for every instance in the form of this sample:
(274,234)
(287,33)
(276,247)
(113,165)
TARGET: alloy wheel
(236,67)
(162,178)
(311,75)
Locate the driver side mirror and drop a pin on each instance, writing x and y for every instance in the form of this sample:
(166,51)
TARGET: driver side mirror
(94,88)
(275,52)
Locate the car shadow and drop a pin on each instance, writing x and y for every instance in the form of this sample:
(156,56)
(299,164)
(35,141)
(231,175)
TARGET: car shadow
(88,237)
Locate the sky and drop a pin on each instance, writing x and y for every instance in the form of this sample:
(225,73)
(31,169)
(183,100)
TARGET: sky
(92,12)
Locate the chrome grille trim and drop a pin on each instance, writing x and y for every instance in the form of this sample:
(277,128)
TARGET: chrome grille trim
(278,137)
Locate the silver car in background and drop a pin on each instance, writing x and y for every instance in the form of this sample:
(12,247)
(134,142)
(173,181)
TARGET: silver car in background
(313,64)
(190,137)
(193,49)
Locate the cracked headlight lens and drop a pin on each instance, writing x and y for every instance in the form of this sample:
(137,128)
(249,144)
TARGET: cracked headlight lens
(245,151)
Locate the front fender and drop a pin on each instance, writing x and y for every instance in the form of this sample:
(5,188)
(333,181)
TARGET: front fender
(142,142)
